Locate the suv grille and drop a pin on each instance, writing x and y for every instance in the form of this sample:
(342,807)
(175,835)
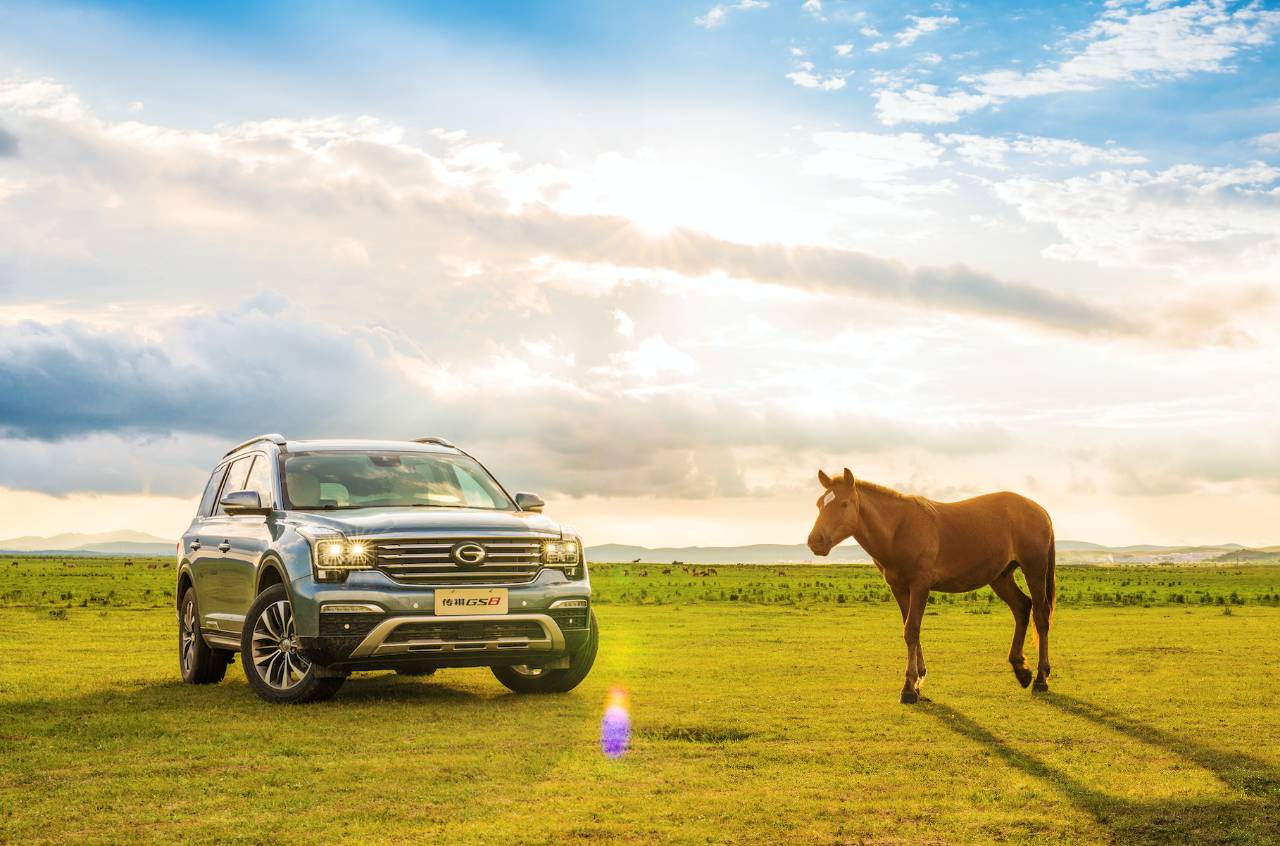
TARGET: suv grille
(507,561)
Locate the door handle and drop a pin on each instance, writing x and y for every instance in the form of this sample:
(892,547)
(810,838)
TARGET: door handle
(224,546)
(195,544)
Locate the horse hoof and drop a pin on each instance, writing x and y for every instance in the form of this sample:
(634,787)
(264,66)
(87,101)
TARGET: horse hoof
(1023,674)
(910,697)
(1041,686)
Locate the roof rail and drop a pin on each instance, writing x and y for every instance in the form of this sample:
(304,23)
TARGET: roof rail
(274,438)
(433,439)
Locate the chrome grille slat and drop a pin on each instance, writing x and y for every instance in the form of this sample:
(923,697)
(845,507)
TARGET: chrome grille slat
(508,561)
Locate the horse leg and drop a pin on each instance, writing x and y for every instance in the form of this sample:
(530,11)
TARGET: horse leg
(919,597)
(1040,611)
(903,596)
(1020,604)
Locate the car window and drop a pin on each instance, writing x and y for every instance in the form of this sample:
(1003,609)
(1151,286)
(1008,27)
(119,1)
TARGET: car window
(260,479)
(211,491)
(471,490)
(381,479)
(236,477)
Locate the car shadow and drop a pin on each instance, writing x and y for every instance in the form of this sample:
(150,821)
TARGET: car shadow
(158,703)
(1248,815)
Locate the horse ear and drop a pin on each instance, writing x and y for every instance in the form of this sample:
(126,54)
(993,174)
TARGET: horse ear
(825,479)
(848,477)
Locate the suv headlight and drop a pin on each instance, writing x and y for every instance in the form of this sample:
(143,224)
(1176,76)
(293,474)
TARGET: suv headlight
(563,555)
(333,557)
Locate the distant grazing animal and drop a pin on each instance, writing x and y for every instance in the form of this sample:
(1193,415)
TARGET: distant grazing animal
(636,561)
(666,571)
(920,545)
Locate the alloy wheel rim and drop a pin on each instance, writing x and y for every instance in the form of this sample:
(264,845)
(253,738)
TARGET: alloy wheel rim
(526,670)
(275,648)
(187,637)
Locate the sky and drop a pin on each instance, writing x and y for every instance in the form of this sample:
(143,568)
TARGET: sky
(658,262)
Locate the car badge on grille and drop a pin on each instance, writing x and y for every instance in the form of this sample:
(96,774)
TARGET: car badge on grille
(467,554)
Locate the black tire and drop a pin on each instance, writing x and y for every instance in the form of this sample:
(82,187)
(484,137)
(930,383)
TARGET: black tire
(415,672)
(276,672)
(198,662)
(534,680)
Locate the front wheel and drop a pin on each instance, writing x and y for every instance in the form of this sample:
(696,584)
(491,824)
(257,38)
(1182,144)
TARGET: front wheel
(525,679)
(271,655)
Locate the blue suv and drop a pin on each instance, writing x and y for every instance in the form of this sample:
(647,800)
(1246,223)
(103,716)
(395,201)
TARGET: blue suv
(314,559)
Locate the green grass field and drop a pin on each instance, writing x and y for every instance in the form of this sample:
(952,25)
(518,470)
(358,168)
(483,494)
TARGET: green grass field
(764,702)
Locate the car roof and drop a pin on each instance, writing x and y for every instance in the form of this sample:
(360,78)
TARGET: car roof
(354,445)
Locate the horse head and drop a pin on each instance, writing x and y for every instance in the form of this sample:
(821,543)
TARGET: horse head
(837,512)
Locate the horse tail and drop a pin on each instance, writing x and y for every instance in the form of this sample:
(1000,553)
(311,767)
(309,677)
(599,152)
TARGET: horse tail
(1050,579)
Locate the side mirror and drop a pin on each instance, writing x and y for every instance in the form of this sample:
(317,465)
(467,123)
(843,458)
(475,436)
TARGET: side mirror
(529,502)
(244,502)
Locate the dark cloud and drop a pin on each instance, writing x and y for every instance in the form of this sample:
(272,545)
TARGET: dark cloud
(218,377)
(8,143)
(1197,463)
(823,269)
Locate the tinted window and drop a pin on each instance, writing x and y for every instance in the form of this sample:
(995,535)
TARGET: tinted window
(211,491)
(260,479)
(389,479)
(236,477)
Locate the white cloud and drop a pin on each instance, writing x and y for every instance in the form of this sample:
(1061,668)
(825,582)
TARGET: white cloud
(1144,45)
(813,7)
(872,157)
(879,47)
(719,13)
(870,32)
(1187,219)
(921,26)
(652,360)
(1268,141)
(992,151)
(806,78)
(844,49)
(625,326)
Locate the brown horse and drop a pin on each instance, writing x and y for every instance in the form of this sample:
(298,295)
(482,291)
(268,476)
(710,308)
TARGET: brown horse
(920,545)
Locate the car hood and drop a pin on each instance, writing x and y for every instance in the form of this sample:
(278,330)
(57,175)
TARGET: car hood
(368,522)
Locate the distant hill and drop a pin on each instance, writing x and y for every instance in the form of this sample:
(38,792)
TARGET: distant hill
(1069,551)
(760,553)
(1269,554)
(104,543)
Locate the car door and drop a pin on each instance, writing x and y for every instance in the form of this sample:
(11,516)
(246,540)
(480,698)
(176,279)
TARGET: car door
(202,553)
(217,600)
(249,537)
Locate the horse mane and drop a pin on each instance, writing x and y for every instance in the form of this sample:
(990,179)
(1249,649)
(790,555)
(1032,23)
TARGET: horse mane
(864,485)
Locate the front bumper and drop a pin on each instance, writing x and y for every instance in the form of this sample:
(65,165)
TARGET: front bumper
(401,628)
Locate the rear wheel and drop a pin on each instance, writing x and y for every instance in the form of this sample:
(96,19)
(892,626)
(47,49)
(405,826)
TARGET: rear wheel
(523,678)
(270,653)
(198,661)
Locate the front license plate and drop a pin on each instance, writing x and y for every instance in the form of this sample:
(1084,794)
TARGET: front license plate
(452,602)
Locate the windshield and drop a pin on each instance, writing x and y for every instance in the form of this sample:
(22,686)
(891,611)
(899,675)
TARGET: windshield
(325,480)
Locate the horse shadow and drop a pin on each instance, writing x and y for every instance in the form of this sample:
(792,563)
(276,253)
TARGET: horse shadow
(1249,815)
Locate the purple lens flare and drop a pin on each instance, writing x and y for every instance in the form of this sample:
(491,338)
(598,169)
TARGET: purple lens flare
(615,728)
